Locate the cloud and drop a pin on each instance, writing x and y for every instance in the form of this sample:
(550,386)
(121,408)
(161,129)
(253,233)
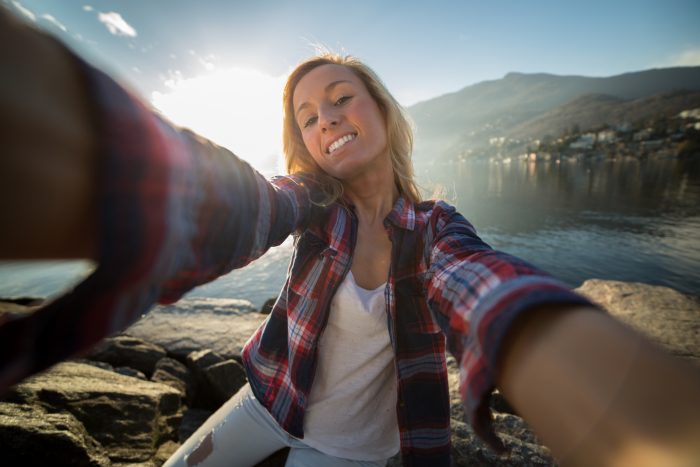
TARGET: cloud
(25,11)
(116,25)
(689,57)
(87,8)
(54,21)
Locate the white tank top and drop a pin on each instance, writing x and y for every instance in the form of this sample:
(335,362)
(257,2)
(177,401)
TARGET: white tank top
(352,404)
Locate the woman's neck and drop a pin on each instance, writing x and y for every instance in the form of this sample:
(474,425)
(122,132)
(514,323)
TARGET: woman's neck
(373,192)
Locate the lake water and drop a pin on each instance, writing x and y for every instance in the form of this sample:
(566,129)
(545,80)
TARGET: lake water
(627,220)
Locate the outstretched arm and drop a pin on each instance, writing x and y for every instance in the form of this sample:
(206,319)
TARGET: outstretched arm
(91,171)
(595,391)
(598,393)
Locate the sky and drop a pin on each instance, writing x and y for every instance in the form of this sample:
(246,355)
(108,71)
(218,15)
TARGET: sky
(218,66)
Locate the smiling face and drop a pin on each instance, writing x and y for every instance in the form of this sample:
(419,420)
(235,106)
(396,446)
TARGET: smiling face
(341,125)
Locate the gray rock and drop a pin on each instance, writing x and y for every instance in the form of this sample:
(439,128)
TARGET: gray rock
(222,325)
(128,351)
(148,418)
(225,379)
(667,316)
(128,371)
(201,359)
(173,373)
(217,379)
(129,417)
(30,436)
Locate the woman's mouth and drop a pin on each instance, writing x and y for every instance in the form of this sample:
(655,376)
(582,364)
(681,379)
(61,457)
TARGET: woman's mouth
(340,142)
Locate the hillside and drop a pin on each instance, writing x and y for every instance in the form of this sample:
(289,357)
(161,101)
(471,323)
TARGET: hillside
(519,103)
(596,110)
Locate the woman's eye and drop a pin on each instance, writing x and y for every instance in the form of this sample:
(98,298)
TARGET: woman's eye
(342,100)
(309,121)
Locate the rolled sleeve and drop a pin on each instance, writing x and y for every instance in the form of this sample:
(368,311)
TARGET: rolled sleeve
(479,293)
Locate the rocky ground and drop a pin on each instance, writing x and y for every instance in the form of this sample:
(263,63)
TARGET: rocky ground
(138,395)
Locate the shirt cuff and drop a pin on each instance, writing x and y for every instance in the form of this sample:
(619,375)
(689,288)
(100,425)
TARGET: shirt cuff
(492,320)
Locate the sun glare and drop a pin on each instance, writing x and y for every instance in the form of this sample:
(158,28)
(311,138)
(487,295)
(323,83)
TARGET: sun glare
(238,108)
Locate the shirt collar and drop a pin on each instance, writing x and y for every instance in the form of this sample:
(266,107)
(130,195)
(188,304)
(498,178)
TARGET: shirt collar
(403,214)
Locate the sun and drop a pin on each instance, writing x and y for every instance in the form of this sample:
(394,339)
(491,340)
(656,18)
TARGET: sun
(238,108)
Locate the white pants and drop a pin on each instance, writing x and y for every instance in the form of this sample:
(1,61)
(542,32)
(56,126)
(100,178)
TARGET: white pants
(242,433)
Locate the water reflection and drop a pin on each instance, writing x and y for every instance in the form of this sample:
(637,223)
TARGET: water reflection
(627,219)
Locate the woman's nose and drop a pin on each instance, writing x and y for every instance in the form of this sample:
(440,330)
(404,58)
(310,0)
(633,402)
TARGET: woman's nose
(328,119)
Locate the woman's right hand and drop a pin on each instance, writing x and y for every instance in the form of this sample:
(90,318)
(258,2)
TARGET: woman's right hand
(47,168)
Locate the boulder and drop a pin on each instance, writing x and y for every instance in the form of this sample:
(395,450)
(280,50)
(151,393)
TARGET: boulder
(667,316)
(176,375)
(217,379)
(31,436)
(128,351)
(129,417)
(89,416)
(222,325)
(201,359)
(225,379)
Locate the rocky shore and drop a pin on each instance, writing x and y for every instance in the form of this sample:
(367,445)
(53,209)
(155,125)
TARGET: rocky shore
(138,395)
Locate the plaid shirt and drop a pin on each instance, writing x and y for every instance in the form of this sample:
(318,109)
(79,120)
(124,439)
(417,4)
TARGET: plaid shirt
(176,211)
(446,287)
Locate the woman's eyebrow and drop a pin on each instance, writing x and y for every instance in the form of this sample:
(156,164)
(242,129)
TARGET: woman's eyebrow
(329,87)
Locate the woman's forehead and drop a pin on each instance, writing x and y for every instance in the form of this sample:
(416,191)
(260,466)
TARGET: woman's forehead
(321,79)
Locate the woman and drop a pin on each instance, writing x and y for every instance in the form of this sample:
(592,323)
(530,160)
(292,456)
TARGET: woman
(344,381)
(160,210)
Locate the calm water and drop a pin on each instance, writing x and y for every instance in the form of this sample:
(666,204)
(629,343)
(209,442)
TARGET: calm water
(626,220)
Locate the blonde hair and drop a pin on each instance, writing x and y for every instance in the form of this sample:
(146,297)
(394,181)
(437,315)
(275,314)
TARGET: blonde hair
(399,132)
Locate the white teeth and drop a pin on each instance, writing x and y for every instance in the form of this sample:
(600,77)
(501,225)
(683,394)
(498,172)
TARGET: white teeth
(340,142)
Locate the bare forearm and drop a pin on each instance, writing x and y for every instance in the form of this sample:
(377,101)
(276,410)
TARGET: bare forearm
(47,176)
(598,393)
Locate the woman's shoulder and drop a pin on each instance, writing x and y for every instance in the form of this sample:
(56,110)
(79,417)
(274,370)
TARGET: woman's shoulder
(437,214)
(434,208)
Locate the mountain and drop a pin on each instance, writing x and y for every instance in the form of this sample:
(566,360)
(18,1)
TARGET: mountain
(525,105)
(595,110)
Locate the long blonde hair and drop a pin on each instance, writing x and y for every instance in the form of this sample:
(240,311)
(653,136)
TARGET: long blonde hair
(399,132)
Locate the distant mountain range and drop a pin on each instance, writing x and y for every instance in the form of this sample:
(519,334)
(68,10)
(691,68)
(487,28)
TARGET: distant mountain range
(522,106)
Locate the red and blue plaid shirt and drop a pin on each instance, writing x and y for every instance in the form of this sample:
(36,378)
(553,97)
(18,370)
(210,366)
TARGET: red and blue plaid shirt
(176,211)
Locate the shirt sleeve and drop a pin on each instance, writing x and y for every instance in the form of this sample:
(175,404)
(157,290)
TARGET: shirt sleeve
(476,294)
(174,211)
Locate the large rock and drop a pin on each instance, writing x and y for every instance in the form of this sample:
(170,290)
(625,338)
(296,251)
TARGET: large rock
(222,325)
(129,417)
(217,378)
(667,316)
(30,436)
(128,351)
(145,414)
(173,373)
